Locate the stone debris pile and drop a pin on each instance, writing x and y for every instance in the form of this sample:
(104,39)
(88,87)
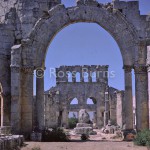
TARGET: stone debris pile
(11,142)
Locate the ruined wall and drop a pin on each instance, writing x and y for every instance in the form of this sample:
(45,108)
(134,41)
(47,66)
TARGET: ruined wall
(17,18)
(7,40)
(120,109)
(100,76)
(58,98)
(113,104)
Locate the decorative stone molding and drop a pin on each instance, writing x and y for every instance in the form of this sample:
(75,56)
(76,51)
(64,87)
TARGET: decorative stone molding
(15,69)
(27,70)
(140,69)
(127,68)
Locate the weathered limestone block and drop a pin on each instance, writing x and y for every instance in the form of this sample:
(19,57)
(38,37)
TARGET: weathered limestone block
(128,103)
(83,130)
(120,109)
(11,142)
(83,127)
(5,130)
(83,116)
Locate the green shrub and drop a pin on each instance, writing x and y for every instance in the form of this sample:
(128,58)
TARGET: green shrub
(72,122)
(142,138)
(85,137)
(55,135)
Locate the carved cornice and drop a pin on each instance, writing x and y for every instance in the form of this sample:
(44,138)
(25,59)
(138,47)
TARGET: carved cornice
(18,69)
(140,69)
(15,69)
(27,70)
(127,68)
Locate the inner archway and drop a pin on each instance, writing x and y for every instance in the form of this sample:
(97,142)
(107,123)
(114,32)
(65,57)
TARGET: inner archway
(72,55)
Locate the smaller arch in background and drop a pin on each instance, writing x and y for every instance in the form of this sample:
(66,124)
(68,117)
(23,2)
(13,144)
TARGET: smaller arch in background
(78,77)
(93,76)
(91,101)
(74,101)
(72,114)
(69,76)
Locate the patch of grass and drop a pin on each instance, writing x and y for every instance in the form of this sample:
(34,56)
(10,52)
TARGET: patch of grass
(142,138)
(72,122)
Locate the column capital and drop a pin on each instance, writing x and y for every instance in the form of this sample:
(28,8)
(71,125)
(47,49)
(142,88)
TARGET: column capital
(140,69)
(127,68)
(15,69)
(27,69)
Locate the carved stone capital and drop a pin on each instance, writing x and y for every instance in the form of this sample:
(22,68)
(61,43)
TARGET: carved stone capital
(127,68)
(15,69)
(27,70)
(140,69)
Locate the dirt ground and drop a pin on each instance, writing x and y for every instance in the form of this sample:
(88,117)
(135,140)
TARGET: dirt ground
(82,146)
(100,141)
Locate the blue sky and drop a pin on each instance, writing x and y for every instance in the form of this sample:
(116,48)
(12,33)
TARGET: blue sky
(144,4)
(87,44)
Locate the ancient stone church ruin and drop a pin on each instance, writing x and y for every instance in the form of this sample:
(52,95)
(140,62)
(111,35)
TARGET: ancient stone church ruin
(27,27)
(108,101)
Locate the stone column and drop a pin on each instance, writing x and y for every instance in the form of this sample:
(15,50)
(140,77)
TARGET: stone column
(15,100)
(100,110)
(128,98)
(16,89)
(141,86)
(81,75)
(120,108)
(90,75)
(94,118)
(74,76)
(65,117)
(26,100)
(106,113)
(40,97)
(148,70)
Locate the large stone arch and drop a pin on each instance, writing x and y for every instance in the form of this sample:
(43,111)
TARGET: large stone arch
(59,17)
(31,54)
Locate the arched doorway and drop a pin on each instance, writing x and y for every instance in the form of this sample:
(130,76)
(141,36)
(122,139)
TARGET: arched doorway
(91,102)
(73,113)
(114,22)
